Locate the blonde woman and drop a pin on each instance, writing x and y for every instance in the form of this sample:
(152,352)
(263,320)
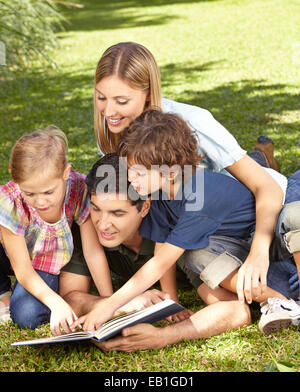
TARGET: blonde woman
(127,81)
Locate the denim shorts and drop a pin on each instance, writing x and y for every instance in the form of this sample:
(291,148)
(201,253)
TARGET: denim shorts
(215,262)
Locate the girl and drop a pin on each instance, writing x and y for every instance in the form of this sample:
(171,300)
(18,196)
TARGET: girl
(37,209)
(127,81)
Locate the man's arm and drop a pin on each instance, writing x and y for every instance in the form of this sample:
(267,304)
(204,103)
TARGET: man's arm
(212,320)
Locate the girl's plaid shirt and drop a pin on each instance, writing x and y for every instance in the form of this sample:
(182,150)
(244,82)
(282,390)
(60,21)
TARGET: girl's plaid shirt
(50,246)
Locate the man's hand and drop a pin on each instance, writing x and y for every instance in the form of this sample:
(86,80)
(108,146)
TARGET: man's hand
(138,337)
(252,278)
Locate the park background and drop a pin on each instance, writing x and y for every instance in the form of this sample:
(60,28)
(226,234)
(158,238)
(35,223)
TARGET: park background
(240,59)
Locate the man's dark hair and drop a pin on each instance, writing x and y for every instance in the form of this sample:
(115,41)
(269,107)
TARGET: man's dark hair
(98,179)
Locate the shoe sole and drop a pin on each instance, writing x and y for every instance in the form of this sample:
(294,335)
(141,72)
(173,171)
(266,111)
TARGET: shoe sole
(275,326)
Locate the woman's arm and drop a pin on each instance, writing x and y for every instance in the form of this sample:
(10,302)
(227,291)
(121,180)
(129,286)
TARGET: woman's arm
(252,276)
(165,256)
(61,312)
(95,258)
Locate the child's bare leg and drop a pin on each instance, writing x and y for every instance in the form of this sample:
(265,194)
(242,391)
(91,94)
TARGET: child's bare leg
(230,284)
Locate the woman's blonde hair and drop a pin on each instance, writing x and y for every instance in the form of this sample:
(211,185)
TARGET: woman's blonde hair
(135,65)
(39,150)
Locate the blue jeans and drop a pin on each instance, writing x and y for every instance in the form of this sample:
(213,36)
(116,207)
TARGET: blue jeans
(282,273)
(293,188)
(25,310)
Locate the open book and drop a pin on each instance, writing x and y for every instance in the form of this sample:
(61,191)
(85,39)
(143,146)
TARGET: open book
(114,326)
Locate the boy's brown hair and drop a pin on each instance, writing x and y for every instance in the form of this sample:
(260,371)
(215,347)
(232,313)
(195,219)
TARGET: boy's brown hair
(157,138)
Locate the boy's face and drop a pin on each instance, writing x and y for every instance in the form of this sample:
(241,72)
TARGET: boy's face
(116,221)
(145,181)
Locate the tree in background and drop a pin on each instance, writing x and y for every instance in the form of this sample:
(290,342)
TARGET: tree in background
(28,30)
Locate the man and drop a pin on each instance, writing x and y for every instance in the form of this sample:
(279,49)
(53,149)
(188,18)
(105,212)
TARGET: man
(117,222)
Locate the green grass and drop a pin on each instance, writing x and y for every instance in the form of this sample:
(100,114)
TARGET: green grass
(238,58)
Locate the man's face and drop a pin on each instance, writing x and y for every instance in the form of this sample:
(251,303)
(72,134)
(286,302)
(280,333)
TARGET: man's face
(116,221)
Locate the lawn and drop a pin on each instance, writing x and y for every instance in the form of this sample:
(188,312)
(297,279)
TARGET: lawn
(240,59)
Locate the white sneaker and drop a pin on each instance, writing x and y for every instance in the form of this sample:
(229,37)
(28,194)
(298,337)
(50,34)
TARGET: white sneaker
(277,314)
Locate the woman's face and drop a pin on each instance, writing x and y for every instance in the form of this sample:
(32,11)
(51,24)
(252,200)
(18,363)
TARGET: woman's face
(119,103)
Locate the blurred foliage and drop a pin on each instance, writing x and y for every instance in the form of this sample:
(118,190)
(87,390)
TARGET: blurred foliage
(28,30)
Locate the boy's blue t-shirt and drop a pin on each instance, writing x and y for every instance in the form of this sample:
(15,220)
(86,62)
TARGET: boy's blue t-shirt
(223,206)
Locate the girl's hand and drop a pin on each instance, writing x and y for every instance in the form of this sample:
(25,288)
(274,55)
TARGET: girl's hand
(62,316)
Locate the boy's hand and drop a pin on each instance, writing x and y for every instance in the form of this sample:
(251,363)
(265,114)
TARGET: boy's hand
(148,298)
(94,319)
(252,278)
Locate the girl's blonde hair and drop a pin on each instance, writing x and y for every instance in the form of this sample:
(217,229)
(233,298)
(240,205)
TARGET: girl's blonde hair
(135,65)
(39,150)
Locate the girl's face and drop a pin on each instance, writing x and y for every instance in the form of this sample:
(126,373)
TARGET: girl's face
(119,103)
(46,194)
